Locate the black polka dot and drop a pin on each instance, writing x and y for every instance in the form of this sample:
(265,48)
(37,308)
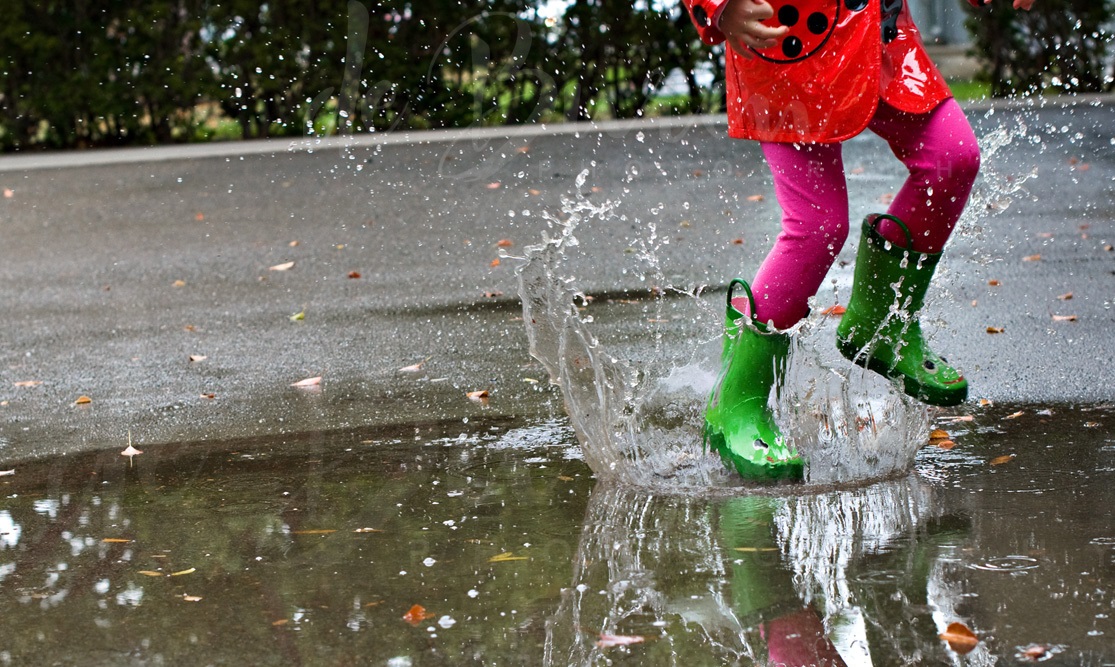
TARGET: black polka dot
(701,16)
(791,47)
(855,5)
(818,23)
(788,15)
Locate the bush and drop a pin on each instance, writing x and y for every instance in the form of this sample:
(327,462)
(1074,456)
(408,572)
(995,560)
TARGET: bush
(1059,45)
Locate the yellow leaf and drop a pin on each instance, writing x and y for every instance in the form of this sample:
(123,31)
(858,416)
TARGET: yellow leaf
(182,572)
(319,531)
(83,400)
(115,540)
(960,638)
(505,557)
(995,330)
(298,317)
(191,598)
(178,283)
(1000,460)
(939,434)
(151,573)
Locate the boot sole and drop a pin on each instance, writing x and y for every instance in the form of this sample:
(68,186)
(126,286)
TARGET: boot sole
(926,394)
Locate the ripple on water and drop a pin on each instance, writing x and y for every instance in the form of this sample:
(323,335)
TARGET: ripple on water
(1006,564)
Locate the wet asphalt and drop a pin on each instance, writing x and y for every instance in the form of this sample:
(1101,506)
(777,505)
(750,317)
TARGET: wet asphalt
(158,284)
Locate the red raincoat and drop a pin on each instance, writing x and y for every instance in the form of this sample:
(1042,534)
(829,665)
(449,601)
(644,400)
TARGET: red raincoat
(822,83)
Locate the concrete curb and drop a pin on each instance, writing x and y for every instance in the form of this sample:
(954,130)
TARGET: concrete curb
(118,156)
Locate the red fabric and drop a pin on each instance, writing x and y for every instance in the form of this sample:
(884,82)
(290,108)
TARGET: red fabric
(823,81)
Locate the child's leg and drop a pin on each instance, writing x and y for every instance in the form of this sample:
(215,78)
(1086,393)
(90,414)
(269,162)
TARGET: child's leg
(810,186)
(942,155)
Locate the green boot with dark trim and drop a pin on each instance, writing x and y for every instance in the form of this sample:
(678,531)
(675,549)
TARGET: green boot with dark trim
(739,425)
(881,329)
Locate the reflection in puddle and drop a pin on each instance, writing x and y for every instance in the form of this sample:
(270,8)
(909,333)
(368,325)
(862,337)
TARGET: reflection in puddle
(313,550)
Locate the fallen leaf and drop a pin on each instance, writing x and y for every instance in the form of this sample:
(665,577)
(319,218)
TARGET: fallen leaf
(28,383)
(151,573)
(1015,415)
(938,434)
(298,317)
(504,243)
(308,382)
(1065,318)
(1109,247)
(493,186)
(414,368)
(957,419)
(1086,425)
(191,598)
(178,283)
(286,266)
(534,193)
(478,396)
(182,572)
(944,444)
(737,241)
(131,451)
(209,396)
(314,531)
(985,403)
(83,400)
(293,244)
(994,283)
(9,473)
(506,557)
(354,275)
(610,641)
(1067,296)
(115,540)
(416,615)
(367,530)
(1000,460)
(281,621)
(995,330)
(522,149)
(1034,652)
(1032,258)
(564,478)
(198,357)
(834,311)
(189,327)
(960,638)
(756,198)
(494,263)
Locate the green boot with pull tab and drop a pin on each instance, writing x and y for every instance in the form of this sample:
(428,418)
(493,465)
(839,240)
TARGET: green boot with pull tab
(739,425)
(881,330)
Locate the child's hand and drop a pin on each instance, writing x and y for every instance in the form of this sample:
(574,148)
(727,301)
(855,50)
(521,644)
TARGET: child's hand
(741,24)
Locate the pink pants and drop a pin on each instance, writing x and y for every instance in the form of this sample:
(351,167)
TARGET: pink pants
(942,155)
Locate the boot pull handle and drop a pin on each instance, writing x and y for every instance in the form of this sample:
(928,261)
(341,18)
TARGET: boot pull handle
(901,225)
(746,288)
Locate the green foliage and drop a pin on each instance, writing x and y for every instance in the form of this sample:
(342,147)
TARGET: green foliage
(95,73)
(1060,45)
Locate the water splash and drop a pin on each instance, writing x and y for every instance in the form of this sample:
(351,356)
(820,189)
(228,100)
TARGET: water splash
(640,422)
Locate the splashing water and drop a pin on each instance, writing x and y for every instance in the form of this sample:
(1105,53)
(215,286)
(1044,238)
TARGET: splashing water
(640,422)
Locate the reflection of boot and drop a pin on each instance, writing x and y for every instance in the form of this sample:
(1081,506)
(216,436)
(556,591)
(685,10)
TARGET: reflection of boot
(881,329)
(738,422)
(799,640)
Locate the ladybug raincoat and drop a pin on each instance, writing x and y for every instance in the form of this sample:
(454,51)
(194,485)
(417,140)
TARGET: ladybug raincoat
(822,83)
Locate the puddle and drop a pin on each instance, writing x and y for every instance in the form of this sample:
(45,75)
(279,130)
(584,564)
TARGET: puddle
(311,550)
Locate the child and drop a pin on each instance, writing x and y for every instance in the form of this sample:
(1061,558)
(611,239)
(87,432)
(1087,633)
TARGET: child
(803,76)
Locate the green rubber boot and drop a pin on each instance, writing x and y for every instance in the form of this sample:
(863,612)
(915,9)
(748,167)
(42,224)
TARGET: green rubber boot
(738,422)
(881,330)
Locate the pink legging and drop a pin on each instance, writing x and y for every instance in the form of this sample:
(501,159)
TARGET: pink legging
(942,155)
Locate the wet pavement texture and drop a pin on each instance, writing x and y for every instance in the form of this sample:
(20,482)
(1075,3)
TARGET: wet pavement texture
(490,544)
(114,275)
(382,517)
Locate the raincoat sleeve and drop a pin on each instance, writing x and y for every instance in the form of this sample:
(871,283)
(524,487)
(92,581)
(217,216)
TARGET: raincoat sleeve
(706,15)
